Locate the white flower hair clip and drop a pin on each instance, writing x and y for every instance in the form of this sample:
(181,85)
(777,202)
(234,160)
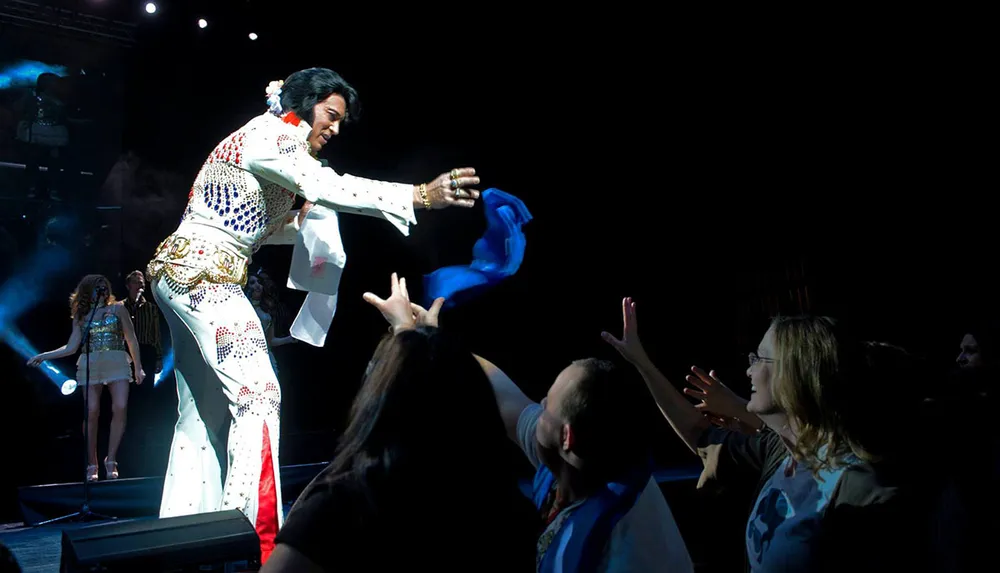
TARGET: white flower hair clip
(273,92)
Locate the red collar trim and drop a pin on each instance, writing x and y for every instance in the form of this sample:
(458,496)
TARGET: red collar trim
(292,118)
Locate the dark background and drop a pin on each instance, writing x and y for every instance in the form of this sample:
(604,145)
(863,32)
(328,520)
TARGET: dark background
(718,172)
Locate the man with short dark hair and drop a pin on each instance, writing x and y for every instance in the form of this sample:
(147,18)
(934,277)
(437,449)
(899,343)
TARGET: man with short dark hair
(603,511)
(145,319)
(149,411)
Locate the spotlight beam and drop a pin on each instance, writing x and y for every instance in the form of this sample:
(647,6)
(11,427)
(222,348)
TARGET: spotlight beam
(13,337)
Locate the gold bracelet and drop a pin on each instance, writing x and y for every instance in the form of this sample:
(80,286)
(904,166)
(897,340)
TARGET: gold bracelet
(423,196)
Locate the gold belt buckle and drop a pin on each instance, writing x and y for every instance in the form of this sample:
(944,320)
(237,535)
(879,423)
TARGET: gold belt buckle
(179,247)
(226,262)
(232,265)
(229,266)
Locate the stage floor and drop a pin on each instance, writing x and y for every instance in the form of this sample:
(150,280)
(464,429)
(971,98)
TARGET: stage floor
(38,549)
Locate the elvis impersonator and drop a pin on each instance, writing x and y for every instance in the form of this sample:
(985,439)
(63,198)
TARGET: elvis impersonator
(224,453)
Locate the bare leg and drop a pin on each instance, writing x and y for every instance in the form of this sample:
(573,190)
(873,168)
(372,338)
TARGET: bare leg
(94,405)
(119,409)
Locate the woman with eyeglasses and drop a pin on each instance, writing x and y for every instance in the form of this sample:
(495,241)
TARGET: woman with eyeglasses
(825,500)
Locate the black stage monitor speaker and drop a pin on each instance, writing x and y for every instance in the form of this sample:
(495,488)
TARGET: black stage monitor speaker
(222,541)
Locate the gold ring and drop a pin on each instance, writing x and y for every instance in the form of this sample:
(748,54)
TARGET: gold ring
(454,173)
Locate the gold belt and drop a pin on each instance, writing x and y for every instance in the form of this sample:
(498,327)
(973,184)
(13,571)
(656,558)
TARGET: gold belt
(187,261)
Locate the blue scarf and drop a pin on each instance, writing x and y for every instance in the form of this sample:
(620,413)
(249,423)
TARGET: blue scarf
(496,255)
(578,545)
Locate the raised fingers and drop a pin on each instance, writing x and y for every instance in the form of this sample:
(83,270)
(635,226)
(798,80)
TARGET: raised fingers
(705,378)
(374,300)
(694,393)
(402,289)
(715,378)
(435,308)
(698,383)
(630,314)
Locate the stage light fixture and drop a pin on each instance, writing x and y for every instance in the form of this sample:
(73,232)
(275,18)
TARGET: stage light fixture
(203,23)
(150,8)
(253,36)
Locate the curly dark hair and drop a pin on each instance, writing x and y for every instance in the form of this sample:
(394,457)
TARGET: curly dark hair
(91,290)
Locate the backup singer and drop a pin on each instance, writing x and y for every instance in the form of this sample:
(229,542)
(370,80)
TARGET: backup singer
(113,356)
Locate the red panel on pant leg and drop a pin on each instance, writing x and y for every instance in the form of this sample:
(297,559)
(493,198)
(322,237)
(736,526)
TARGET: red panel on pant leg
(267,501)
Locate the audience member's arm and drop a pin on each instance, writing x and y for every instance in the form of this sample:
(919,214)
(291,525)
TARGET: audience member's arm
(686,420)
(509,397)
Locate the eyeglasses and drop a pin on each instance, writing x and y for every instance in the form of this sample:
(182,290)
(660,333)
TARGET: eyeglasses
(754,359)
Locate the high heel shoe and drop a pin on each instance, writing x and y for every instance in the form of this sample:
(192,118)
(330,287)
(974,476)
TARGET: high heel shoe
(92,473)
(110,469)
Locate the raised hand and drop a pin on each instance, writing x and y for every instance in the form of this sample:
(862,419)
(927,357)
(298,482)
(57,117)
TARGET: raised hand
(629,345)
(396,309)
(427,317)
(35,360)
(451,189)
(715,396)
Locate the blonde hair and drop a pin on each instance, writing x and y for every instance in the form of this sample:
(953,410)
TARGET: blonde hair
(808,366)
(82,300)
(833,388)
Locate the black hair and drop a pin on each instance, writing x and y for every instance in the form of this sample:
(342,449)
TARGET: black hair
(420,385)
(305,88)
(424,433)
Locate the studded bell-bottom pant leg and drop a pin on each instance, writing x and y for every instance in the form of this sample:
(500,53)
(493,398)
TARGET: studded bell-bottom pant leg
(224,453)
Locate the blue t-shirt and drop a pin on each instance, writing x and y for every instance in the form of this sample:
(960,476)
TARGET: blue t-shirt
(855,518)
(787,518)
